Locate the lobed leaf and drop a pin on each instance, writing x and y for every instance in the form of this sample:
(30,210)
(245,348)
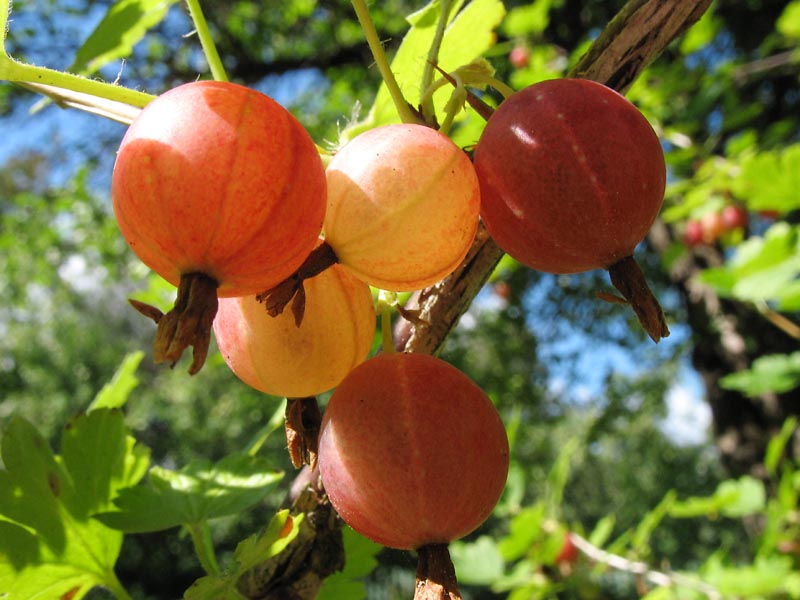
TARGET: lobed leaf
(50,544)
(199,491)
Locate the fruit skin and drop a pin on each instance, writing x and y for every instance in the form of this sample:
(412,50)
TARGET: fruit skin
(403,205)
(694,233)
(411,451)
(713,227)
(219,179)
(734,217)
(275,356)
(569,552)
(519,57)
(572,176)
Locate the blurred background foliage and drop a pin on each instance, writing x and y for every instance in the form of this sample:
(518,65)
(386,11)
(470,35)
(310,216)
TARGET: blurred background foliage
(594,408)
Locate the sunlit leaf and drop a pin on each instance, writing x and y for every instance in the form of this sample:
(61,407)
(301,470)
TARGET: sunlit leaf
(199,491)
(281,531)
(125,24)
(115,393)
(51,544)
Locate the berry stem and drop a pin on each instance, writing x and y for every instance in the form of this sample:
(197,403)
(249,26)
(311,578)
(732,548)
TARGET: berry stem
(426,105)
(387,301)
(627,277)
(373,40)
(206,41)
(187,324)
(436,576)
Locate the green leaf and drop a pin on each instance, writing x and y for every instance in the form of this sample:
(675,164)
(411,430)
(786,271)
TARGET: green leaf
(602,531)
(777,445)
(732,498)
(199,491)
(466,38)
(772,373)
(282,529)
(360,561)
(789,21)
(523,530)
(763,269)
(478,562)
(770,180)
(115,393)
(97,451)
(51,546)
(125,24)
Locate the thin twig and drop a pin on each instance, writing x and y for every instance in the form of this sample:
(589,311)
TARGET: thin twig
(659,578)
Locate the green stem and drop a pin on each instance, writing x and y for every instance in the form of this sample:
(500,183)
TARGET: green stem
(209,48)
(427,108)
(201,537)
(374,42)
(11,70)
(386,303)
(275,422)
(113,585)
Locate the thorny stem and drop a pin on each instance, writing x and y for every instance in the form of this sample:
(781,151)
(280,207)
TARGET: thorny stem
(206,41)
(375,46)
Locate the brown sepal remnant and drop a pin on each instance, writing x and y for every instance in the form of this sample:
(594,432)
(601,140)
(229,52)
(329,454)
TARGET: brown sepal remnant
(303,420)
(627,277)
(187,324)
(436,576)
(276,299)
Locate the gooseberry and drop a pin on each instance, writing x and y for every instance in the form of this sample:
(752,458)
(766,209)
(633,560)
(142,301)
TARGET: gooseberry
(403,205)
(734,216)
(572,177)
(694,232)
(278,357)
(220,191)
(713,226)
(412,453)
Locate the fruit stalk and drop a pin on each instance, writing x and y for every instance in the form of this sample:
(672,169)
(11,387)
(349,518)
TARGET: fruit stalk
(436,576)
(627,277)
(187,324)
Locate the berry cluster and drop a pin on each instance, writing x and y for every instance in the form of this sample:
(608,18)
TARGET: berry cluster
(223,193)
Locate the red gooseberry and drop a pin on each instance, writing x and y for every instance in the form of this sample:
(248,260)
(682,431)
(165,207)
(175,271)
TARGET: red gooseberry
(221,191)
(411,452)
(572,177)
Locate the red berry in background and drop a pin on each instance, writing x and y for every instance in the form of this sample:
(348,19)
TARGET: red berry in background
(569,553)
(412,453)
(221,191)
(713,226)
(694,233)
(734,217)
(519,57)
(572,177)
